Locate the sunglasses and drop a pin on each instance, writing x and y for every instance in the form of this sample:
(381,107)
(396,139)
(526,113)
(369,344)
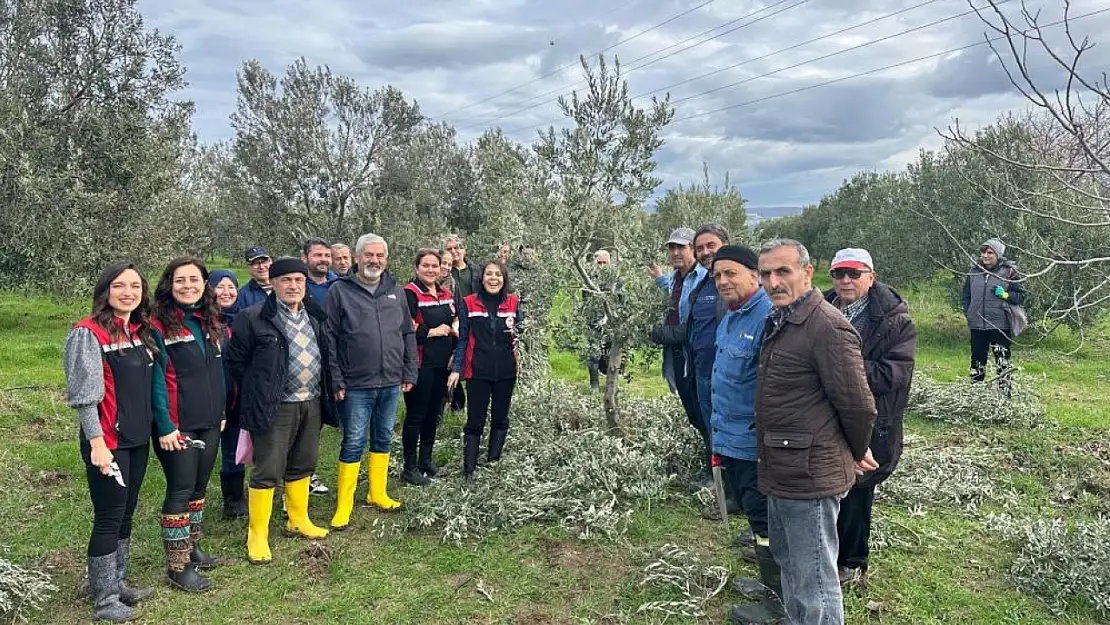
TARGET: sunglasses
(840,274)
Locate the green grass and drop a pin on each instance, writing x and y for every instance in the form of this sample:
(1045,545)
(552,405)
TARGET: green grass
(951,570)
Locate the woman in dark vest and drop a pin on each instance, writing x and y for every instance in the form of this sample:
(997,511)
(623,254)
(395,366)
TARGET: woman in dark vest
(433,313)
(226,287)
(111,368)
(486,357)
(190,331)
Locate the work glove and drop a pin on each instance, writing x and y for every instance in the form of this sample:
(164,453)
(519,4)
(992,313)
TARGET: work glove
(1001,292)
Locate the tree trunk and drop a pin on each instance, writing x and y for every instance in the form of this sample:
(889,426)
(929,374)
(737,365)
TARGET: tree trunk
(612,411)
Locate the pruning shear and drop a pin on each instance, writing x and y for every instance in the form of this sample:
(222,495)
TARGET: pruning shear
(719,487)
(191,443)
(113,471)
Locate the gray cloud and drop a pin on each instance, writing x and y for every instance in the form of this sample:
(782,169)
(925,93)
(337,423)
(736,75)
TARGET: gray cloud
(453,55)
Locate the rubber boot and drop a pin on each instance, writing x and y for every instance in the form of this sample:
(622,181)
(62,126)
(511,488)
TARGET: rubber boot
(346,483)
(260,501)
(471,442)
(197,556)
(769,609)
(427,462)
(235,504)
(296,506)
(379,476)
(104,589)
(180,572)
(496,444)
(128,594)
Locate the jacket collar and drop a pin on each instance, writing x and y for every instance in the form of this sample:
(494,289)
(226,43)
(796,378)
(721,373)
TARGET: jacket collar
(757,298)
(270,308)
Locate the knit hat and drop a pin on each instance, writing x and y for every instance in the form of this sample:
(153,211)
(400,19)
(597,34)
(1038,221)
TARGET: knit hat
(998,246)
(852,258)
(218,275)
(738,254)
(287,264)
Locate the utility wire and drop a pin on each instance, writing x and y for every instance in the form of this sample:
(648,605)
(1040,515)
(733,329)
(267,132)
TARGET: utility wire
(563,89)
(573,63)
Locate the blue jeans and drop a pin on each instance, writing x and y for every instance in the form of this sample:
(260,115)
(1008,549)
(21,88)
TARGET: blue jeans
(368,410)
(805,545)
(229,442)
(705,400)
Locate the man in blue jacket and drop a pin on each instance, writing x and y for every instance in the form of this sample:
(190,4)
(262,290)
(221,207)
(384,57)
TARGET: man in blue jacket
(316,255)
(259,286)
(735,371)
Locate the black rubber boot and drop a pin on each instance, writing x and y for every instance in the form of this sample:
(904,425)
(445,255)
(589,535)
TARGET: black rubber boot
(427,462)
(768,610)
(235,503)
(128,594)
(471,442)
(104,589)
(198,556)
(496,444)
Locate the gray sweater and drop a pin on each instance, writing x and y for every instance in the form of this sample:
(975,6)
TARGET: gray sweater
(84,366)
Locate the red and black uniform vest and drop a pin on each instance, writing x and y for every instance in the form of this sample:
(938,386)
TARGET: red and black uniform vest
(491,345)
(431,309)
(126,412)
(195,389)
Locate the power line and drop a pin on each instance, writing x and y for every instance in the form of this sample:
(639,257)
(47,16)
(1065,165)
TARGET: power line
(529,107)
(573,63)
(877,70)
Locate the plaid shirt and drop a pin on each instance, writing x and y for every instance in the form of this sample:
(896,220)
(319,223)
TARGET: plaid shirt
(854,312)
(780,315)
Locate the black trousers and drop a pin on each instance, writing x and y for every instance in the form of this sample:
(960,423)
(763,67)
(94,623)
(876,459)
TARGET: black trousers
(423,406)
(113,505)
(458,396)
(741,483)
(688,393)
(853,526)
(290,449)
(985,342)
(187,471)
(483,395)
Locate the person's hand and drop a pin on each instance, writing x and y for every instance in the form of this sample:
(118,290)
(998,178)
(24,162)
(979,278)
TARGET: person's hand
(406,387)
(452,381)
(655,271)
(171,441)
(341,394)
(657,334)
(1001,292)
(223,424)
(101,457)
(866,465)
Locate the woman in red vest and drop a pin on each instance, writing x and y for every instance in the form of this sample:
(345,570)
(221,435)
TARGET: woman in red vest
(486,357)
(190,331)
(433,313)
(112,369)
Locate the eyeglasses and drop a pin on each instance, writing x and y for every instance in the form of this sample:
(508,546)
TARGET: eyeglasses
(840,274)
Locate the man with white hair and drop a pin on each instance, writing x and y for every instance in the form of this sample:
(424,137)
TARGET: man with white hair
(602,258)
(375,361)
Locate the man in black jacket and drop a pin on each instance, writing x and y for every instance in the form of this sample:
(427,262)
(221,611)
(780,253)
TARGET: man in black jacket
(889,338)
(279,357)
(375,361)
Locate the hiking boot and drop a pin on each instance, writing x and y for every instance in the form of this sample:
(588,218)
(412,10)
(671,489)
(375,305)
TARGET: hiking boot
(852,576)
(415,476)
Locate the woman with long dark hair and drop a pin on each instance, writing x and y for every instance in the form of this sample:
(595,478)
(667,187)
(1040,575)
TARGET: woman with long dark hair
(432,308)
(112,369)
(232,475)
(190,331)
(486,357)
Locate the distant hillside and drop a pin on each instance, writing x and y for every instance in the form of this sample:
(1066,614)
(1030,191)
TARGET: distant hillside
(757,214)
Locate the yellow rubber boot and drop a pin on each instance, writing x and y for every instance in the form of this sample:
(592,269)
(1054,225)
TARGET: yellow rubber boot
(345,491)
(296,506)
(260,504)
(379,475)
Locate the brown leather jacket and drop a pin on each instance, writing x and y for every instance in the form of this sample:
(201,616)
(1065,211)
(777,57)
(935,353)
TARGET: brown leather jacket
(814,411)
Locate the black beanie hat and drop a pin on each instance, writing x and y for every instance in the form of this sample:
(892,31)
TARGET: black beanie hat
(287,264)
(736,253)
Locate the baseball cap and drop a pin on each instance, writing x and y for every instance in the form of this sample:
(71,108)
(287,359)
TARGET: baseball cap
(255,253)
(852,258)
(681,236)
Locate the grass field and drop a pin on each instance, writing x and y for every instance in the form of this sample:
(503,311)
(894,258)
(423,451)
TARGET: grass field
(944,567)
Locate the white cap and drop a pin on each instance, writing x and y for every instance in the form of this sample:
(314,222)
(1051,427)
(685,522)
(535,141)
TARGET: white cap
(853,258)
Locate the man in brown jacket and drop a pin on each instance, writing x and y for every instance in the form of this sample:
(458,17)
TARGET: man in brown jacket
(814,414)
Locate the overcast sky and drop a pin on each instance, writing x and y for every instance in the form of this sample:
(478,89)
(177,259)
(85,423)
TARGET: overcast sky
(452,56)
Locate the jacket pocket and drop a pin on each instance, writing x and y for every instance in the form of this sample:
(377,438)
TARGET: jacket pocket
(787,454)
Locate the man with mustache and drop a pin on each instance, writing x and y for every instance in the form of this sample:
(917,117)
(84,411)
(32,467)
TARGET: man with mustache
(340,259)
(813,417)
(376,361)
(279,357)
